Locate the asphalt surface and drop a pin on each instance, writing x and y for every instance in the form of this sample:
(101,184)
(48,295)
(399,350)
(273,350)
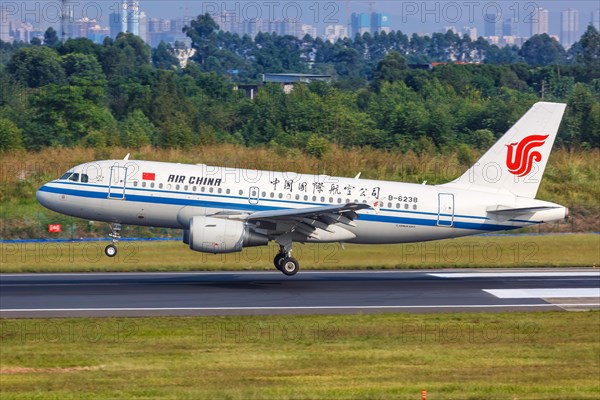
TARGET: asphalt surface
(309,292)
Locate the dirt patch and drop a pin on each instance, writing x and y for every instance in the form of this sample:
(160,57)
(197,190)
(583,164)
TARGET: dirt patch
(52,370)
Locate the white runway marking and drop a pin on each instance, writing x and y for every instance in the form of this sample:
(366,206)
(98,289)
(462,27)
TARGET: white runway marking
(533,274)
(543,293)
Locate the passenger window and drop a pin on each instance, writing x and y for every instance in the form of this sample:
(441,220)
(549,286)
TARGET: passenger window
(152,184)
(135,183)
(220,190)
(297,197)
(143,184)
(264,194)
(398,205)
(185,188)
(389,205)
(272,194)
(160,185)
(194,188)
(211,189)
(414,206)
(322,199)
(241,192)
(228,191)
(74,178)
(84,178)
(177,187)
(280,195)
(202,189)
(406,206)
(305,197)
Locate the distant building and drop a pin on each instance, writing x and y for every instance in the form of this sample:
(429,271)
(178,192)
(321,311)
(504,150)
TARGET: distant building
(335,32)
(115,24)
(144,28)
(510,27)
(492,25)
(380,22)
(360,23)
(539,21)
(308,30)
(449,28)
(595,21)
(287,81)
(470,31)
(569,31)
(370,23)
(133,17)
(5,28)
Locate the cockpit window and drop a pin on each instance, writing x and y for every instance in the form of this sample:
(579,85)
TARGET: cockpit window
(66,175)
(74,178)
(84,178)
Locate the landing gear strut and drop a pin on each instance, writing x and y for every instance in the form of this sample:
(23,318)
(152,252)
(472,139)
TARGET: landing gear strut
(285,262)
(115,234)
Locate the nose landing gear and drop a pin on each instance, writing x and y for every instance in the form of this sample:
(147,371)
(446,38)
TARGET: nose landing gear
(115,234)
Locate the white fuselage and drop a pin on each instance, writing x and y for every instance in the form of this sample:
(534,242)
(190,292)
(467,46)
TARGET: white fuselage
(169,195)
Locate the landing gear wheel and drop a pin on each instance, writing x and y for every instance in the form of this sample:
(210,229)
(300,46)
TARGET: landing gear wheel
(110,250)
(277,261)
(289,266)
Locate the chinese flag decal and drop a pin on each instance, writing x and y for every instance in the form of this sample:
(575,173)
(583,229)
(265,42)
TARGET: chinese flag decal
(148,176)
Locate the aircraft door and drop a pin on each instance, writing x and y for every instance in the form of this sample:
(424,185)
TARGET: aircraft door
(445,209)
(253,195)
(116,186)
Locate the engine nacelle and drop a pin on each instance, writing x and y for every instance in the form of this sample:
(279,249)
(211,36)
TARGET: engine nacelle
(216,235)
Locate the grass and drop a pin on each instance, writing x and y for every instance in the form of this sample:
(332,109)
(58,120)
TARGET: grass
(564,250)
(546,355)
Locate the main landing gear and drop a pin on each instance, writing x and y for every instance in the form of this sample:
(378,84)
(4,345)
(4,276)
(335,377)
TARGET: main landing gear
(285,262)
(115,234)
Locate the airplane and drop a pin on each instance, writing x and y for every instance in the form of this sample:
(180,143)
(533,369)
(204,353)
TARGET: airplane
(223,210)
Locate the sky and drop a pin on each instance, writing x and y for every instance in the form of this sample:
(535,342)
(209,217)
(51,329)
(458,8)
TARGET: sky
(408,16)
(416,16)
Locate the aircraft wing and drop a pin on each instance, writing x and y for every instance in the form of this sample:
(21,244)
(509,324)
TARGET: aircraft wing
(312,222)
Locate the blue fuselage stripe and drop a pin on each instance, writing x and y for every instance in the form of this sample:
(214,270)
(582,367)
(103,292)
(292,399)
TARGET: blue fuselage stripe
(255,207)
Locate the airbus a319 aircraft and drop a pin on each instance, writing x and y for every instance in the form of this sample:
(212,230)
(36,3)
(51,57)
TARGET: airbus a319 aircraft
(223,210)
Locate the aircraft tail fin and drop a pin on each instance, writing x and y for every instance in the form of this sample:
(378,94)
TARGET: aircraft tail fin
(516,162)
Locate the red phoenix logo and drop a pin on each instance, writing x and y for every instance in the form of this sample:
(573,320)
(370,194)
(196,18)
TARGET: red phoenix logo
(520,160)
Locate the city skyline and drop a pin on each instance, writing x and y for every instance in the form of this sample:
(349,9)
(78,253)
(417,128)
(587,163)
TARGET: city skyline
(324,18)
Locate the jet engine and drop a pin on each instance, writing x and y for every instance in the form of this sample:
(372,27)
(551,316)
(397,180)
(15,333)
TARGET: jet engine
(216,235)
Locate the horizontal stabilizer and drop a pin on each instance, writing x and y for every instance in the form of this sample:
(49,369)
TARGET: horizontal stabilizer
(503,210)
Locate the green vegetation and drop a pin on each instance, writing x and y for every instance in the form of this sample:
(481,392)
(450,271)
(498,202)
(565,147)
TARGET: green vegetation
(577,250)
(124,93)
(460,356)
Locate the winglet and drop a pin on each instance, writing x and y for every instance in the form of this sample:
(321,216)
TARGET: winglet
(127,157)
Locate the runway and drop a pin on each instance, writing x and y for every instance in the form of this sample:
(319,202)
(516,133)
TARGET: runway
(309,292)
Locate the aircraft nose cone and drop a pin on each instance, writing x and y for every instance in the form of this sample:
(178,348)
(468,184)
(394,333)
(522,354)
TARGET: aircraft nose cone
(44,197)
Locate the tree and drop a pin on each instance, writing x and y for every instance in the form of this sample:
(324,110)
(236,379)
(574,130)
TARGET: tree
(10,135)
(590,49)
(391,69)
(163,58)
(36,66)
(137,130)
(51,39)
(542,50)
(202,33)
